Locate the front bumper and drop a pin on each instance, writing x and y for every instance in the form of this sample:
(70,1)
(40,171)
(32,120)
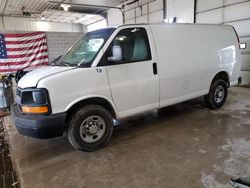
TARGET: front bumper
(38,126)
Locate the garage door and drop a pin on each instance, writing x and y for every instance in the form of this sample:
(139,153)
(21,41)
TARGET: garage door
(235,13)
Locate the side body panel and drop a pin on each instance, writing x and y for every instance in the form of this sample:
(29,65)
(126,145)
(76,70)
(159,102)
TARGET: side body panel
(189,56)
(134,86)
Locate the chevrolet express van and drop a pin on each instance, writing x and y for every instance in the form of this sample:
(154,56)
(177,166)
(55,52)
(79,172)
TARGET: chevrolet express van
(115,73)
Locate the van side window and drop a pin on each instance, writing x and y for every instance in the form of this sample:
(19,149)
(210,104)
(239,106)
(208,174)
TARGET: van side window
(130,45)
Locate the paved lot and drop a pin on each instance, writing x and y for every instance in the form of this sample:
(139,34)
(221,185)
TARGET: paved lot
(187,146)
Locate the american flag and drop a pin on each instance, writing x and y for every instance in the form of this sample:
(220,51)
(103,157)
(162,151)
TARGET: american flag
(19,51)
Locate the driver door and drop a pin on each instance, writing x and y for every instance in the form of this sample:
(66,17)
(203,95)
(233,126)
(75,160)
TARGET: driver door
(133,76)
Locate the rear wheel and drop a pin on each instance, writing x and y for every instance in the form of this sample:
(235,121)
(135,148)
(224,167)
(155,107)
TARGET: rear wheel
(90,128)
(217,94)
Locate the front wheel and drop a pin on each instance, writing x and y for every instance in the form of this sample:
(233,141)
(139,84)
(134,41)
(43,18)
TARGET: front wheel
(90,128)
(217,94)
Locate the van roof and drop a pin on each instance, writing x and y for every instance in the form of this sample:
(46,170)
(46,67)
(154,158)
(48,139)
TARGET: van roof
(163,23)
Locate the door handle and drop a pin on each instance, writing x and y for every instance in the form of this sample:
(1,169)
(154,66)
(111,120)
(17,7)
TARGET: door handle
(154,68)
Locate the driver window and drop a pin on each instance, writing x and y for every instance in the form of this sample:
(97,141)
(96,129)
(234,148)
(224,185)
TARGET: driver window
(130,45)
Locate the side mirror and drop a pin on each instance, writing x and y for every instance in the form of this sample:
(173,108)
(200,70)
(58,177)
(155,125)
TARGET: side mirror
(117,54)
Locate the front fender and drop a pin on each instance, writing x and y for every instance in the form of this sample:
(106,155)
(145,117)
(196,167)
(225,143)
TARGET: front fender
(80,99)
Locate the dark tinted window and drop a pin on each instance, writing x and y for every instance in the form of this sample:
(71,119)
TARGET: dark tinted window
(134,46)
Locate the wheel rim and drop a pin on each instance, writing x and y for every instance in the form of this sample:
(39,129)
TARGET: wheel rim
(92,129)
(219,94)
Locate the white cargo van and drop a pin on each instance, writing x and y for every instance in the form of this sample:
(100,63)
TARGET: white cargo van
(115,73)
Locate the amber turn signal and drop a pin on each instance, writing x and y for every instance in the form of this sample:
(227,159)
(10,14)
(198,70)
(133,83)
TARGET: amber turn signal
(35,110)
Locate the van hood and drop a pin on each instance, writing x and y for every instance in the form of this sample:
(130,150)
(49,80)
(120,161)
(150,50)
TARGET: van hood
(32,78)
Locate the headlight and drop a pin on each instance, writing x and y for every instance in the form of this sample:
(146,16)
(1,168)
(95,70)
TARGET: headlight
(34,101)
(39,97)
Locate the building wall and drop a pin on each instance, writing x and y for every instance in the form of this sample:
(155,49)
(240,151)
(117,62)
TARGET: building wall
(114,17)
(183,10)
(153,11)
(144,11)
(232,12)
(60,36)
(59,43)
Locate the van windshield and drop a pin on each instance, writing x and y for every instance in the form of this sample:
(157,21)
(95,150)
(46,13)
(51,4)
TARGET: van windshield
(84,51)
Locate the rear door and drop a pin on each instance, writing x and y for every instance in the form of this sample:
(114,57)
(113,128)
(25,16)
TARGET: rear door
(134,80)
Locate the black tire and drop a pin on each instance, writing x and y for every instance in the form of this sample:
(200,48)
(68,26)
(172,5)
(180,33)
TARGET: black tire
(212,99)
(77,123)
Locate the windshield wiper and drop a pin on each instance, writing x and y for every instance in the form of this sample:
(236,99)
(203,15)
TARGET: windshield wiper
(65,64)
(55,60)
(81,63)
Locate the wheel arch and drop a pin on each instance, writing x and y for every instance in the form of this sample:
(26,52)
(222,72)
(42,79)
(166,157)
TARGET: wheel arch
(222,75)
(99,100)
